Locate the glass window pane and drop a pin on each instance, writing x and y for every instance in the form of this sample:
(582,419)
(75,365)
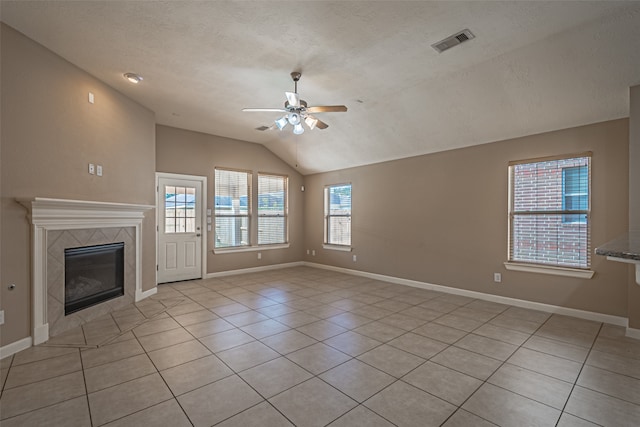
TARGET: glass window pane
(180,203)
(231,231)
(547,239)
(340,199)
(190,225)
(231,192)
(339,231)
(271,230)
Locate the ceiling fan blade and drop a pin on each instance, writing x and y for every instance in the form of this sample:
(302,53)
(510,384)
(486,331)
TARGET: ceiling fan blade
(313,122)
(293,99)
(263,128)
(321,125)
(254,110)
(327,109)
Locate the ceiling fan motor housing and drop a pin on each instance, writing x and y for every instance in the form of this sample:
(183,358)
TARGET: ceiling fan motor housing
(303,105)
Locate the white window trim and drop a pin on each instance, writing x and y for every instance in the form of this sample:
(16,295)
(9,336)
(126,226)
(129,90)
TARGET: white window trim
(548,269)
(325,244)
(238,249)
(544,268)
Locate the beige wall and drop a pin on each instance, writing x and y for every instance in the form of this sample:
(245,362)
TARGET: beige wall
(49,135)
(634,199)
(442,218)
(192,153)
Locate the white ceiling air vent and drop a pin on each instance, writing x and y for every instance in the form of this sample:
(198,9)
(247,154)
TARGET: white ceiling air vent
(453,40)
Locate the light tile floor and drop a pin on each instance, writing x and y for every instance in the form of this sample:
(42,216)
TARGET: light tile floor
(310,347)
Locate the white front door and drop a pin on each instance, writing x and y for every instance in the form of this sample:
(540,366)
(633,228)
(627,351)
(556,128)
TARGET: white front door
(179,229)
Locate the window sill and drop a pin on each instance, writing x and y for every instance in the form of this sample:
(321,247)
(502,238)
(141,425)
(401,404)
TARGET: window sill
(249,249)
(547,269)
(337,248)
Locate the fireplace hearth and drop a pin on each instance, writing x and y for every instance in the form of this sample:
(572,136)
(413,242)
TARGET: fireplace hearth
(93,274)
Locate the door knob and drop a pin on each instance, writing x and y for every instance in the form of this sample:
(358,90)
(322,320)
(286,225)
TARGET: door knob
(198,235)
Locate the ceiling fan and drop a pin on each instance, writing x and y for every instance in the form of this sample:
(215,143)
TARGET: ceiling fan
(296,111)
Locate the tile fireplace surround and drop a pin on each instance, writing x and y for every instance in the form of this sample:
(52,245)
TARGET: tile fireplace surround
(58,224)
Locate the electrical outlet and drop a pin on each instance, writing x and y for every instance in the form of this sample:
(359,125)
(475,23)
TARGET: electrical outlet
(259,255)
(99,170)
(308,251)
(1,317)
(355,258)
(497,277)
(313,252)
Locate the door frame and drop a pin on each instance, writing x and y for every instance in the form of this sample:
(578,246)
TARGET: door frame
(203,213)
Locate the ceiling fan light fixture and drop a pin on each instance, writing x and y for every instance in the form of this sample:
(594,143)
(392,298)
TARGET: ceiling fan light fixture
(298,129)
(293,118)
(311,122)
(282,122)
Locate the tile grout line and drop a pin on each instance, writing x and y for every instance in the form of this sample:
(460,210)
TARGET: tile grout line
(174,397)
(4,382)
(57,376)
(84,381)
(234,373)
(485,381)
(578,377)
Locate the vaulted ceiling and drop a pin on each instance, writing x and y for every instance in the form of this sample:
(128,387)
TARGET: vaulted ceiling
(532,67)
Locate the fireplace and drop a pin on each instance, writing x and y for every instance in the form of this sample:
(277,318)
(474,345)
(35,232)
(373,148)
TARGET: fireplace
(59,224)
(92,274)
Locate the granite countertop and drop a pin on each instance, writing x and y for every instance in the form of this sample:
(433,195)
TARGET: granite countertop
(626,246)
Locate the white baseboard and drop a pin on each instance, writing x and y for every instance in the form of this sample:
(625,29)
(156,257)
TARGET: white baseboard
(15,347)
(140,295)
(40,334)
(548,308)
(633,333)
(255,269)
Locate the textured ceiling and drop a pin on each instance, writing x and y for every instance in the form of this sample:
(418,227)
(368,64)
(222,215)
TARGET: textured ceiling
(533,67)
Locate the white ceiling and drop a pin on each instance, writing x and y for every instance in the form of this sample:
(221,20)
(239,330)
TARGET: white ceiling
(533,67)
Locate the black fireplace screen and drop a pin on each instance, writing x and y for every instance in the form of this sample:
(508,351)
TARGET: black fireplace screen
(92,274)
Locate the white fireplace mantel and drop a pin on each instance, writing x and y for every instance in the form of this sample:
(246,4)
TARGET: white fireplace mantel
(48,214)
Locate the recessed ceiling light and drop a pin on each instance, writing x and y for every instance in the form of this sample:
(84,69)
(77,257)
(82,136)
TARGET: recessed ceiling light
(133,78)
